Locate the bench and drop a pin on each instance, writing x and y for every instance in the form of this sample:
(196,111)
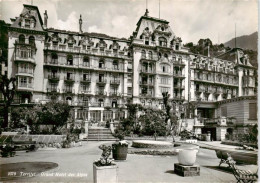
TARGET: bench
(244,176)
(28,145)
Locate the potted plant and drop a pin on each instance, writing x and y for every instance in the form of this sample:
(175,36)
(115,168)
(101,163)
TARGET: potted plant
(104,170)
(120,147)
(187,156)
(7,150)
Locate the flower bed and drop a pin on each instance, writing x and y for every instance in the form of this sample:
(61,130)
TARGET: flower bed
(151,144)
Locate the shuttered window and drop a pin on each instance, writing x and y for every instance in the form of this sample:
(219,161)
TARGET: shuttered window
(252,111)
(224,111)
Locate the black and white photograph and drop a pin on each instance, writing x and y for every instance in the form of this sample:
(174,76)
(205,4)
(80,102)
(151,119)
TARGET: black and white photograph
(129,91)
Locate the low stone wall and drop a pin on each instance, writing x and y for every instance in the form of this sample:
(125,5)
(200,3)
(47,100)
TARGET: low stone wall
(151,144)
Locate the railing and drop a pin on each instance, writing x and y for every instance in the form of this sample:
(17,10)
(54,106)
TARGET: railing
(146,83)
(114,94)
(100,93)
(69,79)
(50,89)
(115,81)
(146,95)
(25,71)
(101,81)
(147,70)
(85,79)
(85,91)
(178,74)
(178,97)
(54,77)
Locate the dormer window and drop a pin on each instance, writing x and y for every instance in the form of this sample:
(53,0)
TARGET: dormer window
(27,23)
(162,28)
(146,42)
(177,47)
(162,41)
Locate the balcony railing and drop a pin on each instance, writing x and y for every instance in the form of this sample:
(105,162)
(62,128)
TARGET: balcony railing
(115,82)
(85,91)
(85,79)
(69,79)
(25,71)
(146,83)
(116,94)
(101,93)
(178,97)
(53,77)
(148,71)
(67,90)
(146,95)
(53,90)
(101,81)
(25,57)
(178,74)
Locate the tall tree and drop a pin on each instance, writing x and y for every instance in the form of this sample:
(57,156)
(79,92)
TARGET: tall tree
(7,88)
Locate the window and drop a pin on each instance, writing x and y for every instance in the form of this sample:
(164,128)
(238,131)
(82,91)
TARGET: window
(146,42)
(31,40)
(177,47)
(69,60)
(23,82)
(54,58)
(150,55)
(84,87)
(101,64)
(252,111)
(162,41)
(115,64)
(164,89)
(22,39)
(164,80)
(165,55)
(129,78)
(53,86)
(165,68)
(86,61)
(129,90)
(143,54)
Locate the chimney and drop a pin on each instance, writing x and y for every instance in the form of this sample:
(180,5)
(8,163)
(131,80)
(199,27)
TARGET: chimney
(80,25)
(45,19)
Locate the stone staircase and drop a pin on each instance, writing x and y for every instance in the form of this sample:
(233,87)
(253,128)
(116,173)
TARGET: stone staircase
(99,134)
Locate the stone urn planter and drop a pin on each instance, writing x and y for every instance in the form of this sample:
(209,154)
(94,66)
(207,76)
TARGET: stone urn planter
(108,174)
(119,150)
(187,157)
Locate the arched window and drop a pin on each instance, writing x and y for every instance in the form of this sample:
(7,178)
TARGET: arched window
(150,55)
(86,61)
(69,60)
(162,41)
(22,39)
(143,54)
(165,55)
(69,100)
(31,40)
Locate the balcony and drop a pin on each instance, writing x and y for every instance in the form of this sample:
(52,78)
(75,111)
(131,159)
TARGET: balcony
(85,80)
(68,90)
(101,93)
(147,71)
(85,65)
(114,94)
(54,77)
(70,79)
(85,92)
(178,63)
(53,62)
(53,90)
(101,81)
(115,82)
(25,72)
(25,57)
(25,86)
(178,74)
(151,83)
(179,86)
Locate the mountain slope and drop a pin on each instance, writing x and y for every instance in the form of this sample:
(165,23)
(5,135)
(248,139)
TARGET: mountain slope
(246,42)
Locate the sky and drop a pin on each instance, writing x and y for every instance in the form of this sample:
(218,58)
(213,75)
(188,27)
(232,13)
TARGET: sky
(189,19)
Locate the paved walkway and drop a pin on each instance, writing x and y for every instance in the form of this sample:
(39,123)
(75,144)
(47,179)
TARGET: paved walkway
(137,168)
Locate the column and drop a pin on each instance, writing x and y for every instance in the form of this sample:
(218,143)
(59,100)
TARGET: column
(101,117)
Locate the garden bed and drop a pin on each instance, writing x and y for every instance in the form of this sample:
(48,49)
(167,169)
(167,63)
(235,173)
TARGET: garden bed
(236,143)
(151,144)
